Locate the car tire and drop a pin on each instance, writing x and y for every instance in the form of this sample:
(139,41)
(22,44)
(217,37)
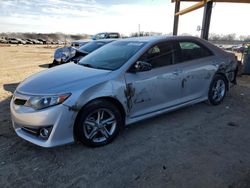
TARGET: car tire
(217,90)
(98,123)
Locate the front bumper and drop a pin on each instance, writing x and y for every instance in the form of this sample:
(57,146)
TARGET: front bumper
(59,118)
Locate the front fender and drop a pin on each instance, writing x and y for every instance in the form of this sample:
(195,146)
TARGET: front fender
(101,90)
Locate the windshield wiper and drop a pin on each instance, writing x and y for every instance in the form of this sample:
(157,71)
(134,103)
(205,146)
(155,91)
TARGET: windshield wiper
(88,65)
(82,51)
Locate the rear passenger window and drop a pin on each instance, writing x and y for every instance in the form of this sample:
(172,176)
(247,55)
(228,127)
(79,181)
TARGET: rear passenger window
(159,55)
(192,51)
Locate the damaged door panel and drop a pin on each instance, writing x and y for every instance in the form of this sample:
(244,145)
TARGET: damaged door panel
(129,93)
(196,62)
(152,90)
(195,79)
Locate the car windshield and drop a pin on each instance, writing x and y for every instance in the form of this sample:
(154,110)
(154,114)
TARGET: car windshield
(113,55)
(92,46)
(100,36)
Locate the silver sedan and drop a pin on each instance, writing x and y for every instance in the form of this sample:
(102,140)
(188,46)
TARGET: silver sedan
(121,83)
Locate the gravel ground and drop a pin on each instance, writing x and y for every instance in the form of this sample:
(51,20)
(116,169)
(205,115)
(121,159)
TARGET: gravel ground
(198,146)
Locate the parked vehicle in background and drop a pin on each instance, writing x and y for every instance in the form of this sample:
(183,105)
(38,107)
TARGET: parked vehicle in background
(42,40)
(59,42)
(79,43)
(106,35)
(121,83)
(3,41)
(16,41)
(68,54)
(49,42)
(239,48)
(62,55)
(21,41)
(29,41)
(35,41)
(227,47)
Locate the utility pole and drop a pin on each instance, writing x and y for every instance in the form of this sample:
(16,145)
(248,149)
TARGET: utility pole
(139,29)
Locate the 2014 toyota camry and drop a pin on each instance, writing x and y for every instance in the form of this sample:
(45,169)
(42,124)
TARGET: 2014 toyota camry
(121,83)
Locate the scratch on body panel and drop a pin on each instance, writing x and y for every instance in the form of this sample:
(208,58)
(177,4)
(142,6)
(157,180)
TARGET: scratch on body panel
(142,96)
(74,108)
(129,93)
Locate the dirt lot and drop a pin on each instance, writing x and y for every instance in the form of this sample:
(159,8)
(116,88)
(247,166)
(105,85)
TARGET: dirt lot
(199,146)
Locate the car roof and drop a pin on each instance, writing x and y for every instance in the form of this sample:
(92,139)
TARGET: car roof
(103,40)
(108,33)
(150,39)
(81,40)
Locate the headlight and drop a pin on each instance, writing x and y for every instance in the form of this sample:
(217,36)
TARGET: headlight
(40,102)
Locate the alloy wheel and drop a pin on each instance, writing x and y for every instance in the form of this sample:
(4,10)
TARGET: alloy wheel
(218,90)
(99,125)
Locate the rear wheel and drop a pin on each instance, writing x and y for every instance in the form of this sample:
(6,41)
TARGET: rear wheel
(98,123)
(217,90)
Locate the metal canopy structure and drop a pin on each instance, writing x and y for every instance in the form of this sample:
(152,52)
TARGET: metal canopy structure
(208,6)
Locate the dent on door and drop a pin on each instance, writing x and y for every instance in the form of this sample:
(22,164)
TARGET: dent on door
(129,93)
(146,93)
(134,96)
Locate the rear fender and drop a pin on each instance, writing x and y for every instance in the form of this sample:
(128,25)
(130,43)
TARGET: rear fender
(229,71)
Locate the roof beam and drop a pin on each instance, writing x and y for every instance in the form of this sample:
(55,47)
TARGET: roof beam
(219,1)
(192,8)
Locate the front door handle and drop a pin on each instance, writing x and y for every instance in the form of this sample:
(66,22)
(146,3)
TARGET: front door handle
(177,72)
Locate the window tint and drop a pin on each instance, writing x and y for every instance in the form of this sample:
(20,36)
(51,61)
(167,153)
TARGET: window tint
(191,51)
(188,45)
(159,55)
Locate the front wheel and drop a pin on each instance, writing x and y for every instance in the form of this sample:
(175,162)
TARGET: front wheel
(217,90)
(98,123)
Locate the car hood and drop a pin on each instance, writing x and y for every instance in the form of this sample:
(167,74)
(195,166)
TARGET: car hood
(62,78)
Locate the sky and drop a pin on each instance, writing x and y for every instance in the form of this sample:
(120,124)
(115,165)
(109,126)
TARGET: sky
(124,16)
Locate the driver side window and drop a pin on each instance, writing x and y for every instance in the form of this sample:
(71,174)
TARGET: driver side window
(159,55)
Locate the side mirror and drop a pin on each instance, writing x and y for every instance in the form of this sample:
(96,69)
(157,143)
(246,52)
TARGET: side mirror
(141,66)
